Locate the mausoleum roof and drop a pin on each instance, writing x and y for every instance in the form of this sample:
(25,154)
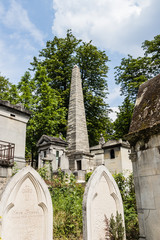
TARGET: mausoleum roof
(16,108)
(111,144)
(45,140)
(116,143)
(146,113)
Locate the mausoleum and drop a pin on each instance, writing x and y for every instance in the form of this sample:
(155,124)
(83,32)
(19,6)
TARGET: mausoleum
(13,121)
(144,138)
(53,150)
(114,154)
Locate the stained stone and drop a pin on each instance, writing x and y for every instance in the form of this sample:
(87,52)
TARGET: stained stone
(78,152)
(26,208)
(101,199)
(77,135)
(144,138)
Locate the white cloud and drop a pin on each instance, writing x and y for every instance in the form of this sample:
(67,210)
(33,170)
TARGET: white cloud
(16,18)
(113,94)
(113,114)
(118,25)
(20,40)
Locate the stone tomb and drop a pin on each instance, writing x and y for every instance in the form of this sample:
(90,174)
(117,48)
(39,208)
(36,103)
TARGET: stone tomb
(144,138)
(101,199)
(26,208)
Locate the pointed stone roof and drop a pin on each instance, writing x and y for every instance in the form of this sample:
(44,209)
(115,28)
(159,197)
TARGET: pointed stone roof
(45,140)
(77,135)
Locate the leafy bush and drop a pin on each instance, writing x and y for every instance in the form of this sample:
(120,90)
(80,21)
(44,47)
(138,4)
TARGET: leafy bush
(114,227)
(43,172)
(87,176)
(126,187)
(67,198)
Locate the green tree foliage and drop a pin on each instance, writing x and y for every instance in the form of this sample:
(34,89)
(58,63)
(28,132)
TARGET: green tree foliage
(26,88)
(59,57)
(45,104)
(131,74)
(152,50)
(4,88)
(122,123)
(8,91)
(14,97)
(126,187)
(134,71)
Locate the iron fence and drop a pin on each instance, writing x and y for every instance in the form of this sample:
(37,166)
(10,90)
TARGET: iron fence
(6,153)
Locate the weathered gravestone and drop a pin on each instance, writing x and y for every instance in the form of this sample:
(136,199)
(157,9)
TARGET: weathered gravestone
(144,138)
(101,199)
(26,208)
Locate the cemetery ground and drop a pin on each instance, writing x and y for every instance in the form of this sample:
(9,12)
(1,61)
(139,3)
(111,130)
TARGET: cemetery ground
(67,197)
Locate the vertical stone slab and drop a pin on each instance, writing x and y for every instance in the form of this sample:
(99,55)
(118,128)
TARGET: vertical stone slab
(77,135)
(101,199)
(26,208)
(144,138)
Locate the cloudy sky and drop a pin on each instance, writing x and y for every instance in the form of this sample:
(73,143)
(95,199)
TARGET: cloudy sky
(117,26)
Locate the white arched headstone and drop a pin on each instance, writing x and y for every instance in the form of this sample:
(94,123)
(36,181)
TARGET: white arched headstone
(26,208)
(101,199)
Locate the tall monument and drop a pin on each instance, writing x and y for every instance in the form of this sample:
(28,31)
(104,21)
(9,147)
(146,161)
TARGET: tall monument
(77,135)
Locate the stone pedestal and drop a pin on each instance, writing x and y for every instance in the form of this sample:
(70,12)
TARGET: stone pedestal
(80,161)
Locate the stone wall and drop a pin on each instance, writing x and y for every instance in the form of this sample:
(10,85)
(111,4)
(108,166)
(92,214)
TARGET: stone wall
(13,120)
(144,138)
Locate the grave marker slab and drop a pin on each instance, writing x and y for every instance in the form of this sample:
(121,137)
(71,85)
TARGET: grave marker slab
(101,199)
(26,208)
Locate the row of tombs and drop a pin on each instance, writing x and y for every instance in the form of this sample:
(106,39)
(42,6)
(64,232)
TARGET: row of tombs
(144,139)
(114,154)
(72,155)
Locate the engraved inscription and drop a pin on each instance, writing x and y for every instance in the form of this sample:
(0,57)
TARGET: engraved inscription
(26,219)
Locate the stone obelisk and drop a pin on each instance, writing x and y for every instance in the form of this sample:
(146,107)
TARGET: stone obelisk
(77,135)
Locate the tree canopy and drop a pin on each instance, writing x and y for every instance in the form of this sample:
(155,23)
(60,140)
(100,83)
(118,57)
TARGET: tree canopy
(134,71)
(131,73)
(8,91)
(124,116)
(46,94)
(45,104)
(58,58)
